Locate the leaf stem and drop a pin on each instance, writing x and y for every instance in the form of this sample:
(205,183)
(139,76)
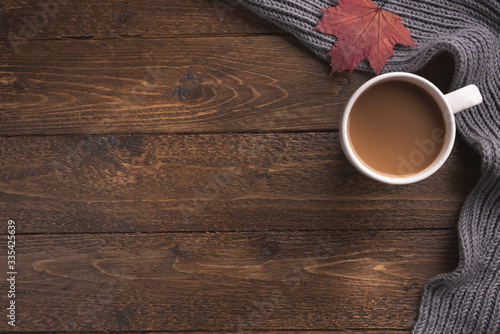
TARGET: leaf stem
(385,2)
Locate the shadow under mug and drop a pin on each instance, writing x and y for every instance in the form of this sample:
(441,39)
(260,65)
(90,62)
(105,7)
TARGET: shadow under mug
(448,104)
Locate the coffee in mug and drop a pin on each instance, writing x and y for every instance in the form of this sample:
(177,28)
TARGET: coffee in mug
(399,128)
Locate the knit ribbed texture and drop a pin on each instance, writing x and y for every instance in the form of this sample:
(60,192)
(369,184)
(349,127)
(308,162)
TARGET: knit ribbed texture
(468,299)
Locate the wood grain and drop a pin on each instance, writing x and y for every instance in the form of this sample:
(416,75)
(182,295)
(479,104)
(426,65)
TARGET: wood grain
(169,85)
(115,18)
(218,182)
(226,281)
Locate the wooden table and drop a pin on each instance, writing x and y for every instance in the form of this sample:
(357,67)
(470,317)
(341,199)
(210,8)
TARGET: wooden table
(174,165)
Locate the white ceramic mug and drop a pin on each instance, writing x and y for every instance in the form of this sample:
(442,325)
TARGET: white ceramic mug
(449,105)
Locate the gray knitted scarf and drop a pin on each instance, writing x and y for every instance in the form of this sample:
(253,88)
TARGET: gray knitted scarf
(468,299)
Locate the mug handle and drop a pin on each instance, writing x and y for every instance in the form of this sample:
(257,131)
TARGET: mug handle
(464,98)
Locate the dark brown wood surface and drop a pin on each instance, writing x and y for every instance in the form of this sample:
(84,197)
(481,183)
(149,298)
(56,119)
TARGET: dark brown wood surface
(227,281)
(174,166)
(58,19)
(214,84)
(213,182)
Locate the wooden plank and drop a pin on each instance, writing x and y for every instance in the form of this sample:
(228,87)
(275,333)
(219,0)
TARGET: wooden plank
(226,281)
(62,18)
(218,182)
(169,85)
(174,85)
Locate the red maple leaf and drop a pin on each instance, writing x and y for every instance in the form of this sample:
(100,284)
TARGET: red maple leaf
(363,30)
